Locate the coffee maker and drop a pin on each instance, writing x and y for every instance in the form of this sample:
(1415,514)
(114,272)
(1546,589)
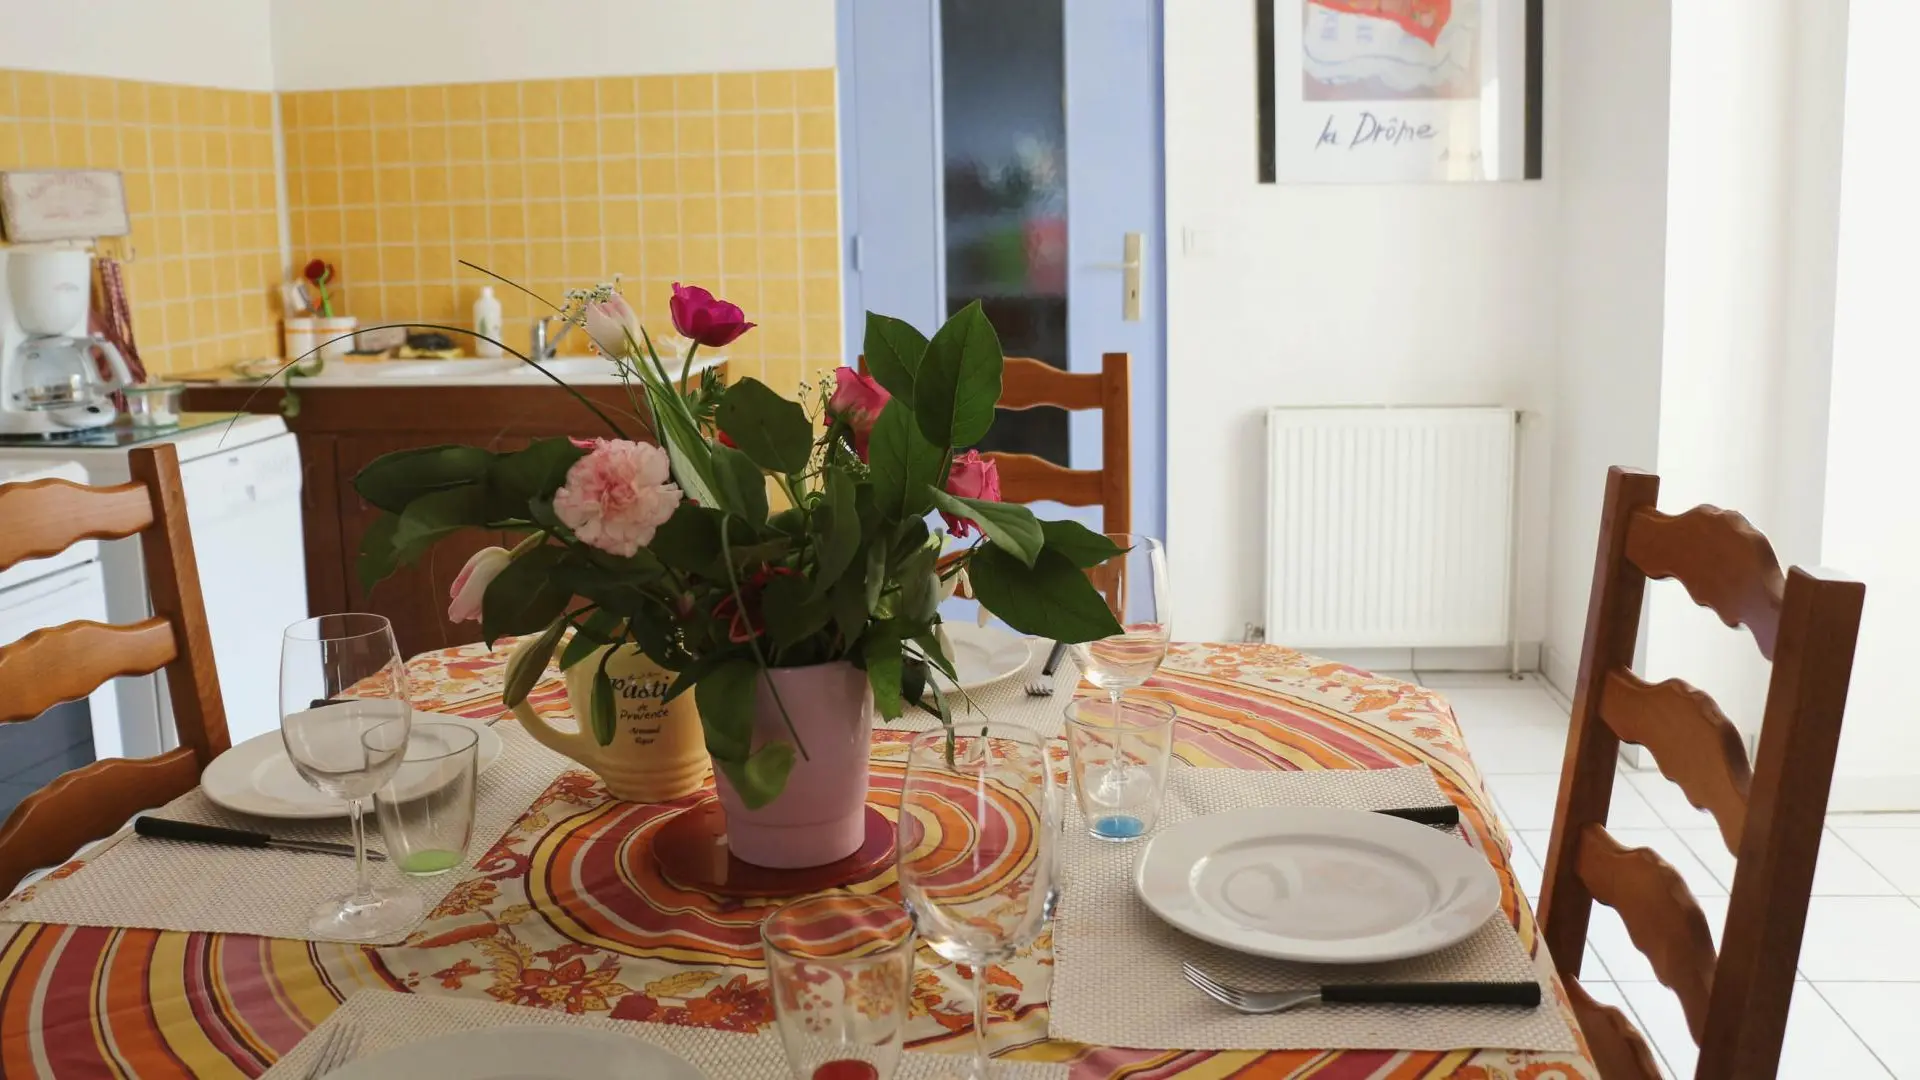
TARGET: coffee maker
(50,381)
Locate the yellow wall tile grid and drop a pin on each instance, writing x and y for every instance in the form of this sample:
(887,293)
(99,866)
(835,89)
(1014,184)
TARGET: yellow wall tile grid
(204,254)
(727,181)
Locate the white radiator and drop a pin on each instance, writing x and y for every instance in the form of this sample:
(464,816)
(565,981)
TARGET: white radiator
(1390,527)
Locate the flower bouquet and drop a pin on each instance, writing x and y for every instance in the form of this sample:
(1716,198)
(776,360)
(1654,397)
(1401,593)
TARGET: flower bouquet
(778,557)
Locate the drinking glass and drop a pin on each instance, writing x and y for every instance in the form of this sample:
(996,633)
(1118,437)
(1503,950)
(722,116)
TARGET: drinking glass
(1118,759)
(426,810)
(978,821)
(1134,585)
(840,971)
(341,677)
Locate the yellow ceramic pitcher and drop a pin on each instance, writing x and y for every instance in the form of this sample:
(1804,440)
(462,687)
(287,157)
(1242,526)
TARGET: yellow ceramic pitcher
(658,751)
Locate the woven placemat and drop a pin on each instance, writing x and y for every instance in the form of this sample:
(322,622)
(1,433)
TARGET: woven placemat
(1007,701)
(135,881)
(383,1020)
(1116,976)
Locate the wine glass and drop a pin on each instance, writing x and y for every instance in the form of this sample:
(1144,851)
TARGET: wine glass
(1134,585)
(341,678)
(978,821)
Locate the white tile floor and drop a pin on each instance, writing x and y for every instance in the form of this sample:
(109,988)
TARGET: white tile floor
(1853,1010)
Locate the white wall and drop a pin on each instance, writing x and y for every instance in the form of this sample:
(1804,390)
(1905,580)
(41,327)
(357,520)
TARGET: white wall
(1753,162)
(340,44)
(1612,116)
(1872,521)
(222,43)
(1318,295)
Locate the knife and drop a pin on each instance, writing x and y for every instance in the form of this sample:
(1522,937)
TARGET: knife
(1053,657)
(1446,816)
(193,832)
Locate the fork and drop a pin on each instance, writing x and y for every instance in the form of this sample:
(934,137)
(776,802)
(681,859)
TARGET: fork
(341,1046)
(1043,686)
(1526,994)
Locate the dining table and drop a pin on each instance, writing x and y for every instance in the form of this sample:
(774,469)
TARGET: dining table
(551,919)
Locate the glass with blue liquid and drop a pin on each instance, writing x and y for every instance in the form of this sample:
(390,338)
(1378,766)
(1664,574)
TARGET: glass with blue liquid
(1118,750)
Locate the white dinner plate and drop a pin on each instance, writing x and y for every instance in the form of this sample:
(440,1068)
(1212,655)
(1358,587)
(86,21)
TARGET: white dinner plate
(984,655)
(523,1053)
(257,778)
(1317,885)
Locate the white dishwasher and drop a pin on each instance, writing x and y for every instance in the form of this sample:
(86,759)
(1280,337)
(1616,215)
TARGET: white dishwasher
(242,482)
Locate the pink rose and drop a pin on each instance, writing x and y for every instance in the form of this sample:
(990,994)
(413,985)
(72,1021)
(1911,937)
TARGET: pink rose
(471,585)
(616,496)
(613,326)
(711,322)
(972,477)
(858,400)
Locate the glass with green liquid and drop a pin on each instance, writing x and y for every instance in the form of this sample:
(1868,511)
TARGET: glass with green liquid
(426,810)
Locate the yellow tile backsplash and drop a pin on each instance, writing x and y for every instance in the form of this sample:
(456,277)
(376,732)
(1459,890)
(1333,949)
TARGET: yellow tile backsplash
(205,249)
(727,181)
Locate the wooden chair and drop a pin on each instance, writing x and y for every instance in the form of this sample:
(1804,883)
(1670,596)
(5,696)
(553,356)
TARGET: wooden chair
(1031,384)
(1769,814)
(66,662)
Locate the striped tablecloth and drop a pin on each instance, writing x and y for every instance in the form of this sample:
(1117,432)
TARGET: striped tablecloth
(557,920)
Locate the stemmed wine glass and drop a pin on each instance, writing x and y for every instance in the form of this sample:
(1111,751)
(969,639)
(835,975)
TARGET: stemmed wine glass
(978,821)
(1134,585)
(341,678)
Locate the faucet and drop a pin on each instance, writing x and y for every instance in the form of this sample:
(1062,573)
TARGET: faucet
(543,347)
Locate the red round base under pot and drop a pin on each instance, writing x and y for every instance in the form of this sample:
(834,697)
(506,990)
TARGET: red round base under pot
(846,1069)
(691,852)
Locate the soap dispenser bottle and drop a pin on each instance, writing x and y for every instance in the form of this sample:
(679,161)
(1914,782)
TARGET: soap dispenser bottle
(486,323)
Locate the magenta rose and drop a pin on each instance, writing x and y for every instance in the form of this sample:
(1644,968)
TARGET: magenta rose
(972,477)
(616,496)
(858,400)
(698,315)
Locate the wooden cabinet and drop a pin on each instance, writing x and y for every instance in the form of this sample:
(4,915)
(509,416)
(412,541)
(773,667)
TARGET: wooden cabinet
(342,428)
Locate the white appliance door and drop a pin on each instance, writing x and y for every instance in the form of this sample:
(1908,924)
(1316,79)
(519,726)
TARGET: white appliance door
(78,592)
(244,507)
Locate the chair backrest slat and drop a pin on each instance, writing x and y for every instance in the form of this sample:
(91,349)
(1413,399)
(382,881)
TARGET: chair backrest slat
(1028,478)
(46,517)
(55,664)
(1770,813)
(1726,565)
(1692,742)
(62,663)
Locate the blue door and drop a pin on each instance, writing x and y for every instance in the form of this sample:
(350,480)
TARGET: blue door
(1009,151)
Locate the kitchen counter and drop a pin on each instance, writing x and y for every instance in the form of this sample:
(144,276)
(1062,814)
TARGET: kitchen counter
(420,403)
(464,371)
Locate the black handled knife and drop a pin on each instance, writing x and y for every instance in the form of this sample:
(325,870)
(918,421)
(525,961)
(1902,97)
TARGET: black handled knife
(193,832)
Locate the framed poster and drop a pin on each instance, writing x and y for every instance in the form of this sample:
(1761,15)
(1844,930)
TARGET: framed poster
(1399,91)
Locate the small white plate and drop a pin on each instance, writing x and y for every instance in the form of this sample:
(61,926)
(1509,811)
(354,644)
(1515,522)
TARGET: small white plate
(257,778)
(1317,885)
(523,1053)
(984,655)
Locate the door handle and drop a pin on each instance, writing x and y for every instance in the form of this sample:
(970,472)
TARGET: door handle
(1133,256)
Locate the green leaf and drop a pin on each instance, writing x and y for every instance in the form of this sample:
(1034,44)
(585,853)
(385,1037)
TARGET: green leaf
(836,524)
(772,430)
(525,597)
(1084,547)
(391,481)
(378,556)
(1051,599)
(919,588)
(690,539)
(524,669)
(741,485)
(792,521)
(913,680)
(516,480)
(929,644)
(690,674)
(687,449)
(901,463)
(1010,525)
(850,609)
(440,513)
(601,627)
(762,777)
(725,698)
(958,384)
(894,350)
(791,613)
(875,582)
(600,710)
(883,659)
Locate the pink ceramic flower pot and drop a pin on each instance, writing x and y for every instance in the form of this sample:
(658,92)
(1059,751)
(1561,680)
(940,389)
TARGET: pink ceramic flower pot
(821,815)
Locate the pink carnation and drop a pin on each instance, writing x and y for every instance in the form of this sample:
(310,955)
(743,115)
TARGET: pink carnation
(617,495)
